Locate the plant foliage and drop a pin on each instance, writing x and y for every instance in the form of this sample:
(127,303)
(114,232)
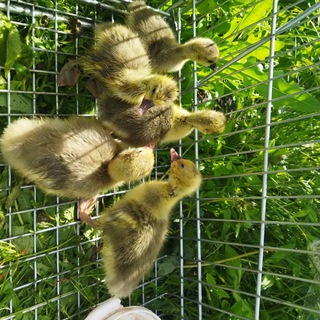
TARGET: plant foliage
(47,256)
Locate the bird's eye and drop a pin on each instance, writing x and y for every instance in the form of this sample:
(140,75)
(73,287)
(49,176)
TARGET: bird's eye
(210,61)
(154,90)
(182,166)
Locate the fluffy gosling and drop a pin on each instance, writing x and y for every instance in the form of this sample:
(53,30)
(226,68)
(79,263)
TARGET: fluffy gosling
(165,53)
(134,229)
(73,158)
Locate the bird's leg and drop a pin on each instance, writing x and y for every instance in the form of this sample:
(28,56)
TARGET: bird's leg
(95,87)
(85,208)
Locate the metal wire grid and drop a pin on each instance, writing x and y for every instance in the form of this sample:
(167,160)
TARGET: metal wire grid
(193,286)
(260,249)
(44,253)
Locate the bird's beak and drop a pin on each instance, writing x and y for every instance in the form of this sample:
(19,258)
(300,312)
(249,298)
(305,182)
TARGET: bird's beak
(174,155)
(145,106)
(213,66)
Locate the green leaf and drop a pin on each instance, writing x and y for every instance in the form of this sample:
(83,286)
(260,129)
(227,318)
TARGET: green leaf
(4,22)
(226,225)
(25,58)
(19,103)
(282,91)
(2,218)
(242,308)
(263,51)
(267,282)
(15,191)
(13,49)
(23,244)
(42,269)
(210,279)
(6,294)
(24,202)
(304,212)
(167,266)
(206,6)
(220,293)
(3,82)
(280,255)
(257,13)
(235,274)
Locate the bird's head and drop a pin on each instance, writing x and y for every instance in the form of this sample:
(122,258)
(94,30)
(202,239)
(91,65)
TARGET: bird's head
(205,52)
(132,164)
(184,175)
(161,89)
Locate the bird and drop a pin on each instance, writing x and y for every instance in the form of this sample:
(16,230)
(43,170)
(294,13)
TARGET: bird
(135,125)
(153,125)
(184,122)
(134,229)
(119,63)
(73,157)
(165,53)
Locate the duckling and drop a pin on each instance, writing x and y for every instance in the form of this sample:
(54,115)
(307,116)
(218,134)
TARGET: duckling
(73,158)
(165,53)
(121,64)
(134,229)
(135,125)
(140,125)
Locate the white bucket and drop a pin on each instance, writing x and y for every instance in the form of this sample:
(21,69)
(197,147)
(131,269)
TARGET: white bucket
(112,309)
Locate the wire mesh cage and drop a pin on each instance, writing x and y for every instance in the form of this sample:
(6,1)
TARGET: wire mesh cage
(246,245)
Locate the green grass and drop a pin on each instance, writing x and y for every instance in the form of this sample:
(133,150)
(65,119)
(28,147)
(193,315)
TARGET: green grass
(42,238)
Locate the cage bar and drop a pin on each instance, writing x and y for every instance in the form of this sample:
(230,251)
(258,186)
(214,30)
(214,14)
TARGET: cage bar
(245,245)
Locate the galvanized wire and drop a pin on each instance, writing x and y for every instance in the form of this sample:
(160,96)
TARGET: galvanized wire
(256,253)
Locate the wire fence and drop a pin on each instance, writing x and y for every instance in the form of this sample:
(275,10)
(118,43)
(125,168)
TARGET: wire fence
(245,246)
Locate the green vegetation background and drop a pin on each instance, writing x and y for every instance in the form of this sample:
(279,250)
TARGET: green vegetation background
(47,239)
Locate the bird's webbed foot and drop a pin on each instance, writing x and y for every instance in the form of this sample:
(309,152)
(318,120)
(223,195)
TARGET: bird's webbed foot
(85,208)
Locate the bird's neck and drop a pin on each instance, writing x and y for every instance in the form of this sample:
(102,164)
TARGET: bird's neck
(187,51)
(180,52)
(132,76)
(180,125)
(167,199)
(175,190)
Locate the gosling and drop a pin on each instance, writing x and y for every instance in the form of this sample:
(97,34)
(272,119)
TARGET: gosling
(164,51)
(73,158)
(148,124)
(134,229)
(119,63)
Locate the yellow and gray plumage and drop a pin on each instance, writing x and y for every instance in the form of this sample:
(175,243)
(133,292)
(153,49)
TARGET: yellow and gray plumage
(140,125)
(119,62)
(165,53)
(134,229)
(135,125)
(74,158)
